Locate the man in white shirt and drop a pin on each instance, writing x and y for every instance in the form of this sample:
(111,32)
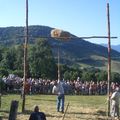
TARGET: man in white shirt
(115,103)
(59,91)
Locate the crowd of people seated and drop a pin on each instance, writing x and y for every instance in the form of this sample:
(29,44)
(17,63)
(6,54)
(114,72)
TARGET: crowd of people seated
(42,86)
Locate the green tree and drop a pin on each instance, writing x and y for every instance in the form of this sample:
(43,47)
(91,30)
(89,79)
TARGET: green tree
(88,76)
(115,77)
(101,76)
(18,73)
(41,60)
(74,75)
(1,52)
(67,75)
(3,72)
(9,58)
(19,57)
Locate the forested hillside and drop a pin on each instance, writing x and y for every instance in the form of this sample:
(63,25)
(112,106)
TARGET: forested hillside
(74,52)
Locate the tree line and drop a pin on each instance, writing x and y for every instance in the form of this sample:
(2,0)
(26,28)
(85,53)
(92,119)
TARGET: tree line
(42,64)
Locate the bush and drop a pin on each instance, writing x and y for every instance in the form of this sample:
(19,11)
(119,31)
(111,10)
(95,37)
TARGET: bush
(3,72)
(2,85)
(18,73)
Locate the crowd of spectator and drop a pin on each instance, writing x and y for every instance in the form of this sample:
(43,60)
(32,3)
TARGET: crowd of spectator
(14,84)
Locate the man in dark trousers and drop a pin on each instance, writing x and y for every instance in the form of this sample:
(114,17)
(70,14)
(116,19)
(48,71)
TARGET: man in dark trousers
(59,91)
(36,115)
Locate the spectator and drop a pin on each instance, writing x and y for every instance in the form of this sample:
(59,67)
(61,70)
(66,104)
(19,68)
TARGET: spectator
(36,115)
(115,103)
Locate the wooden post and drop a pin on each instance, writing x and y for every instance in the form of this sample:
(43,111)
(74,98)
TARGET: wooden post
(0,99)
(109,59)
(25,58)
(59,61)
(0,92)
(0,117)
(13,110)
(0,95)
(65,111)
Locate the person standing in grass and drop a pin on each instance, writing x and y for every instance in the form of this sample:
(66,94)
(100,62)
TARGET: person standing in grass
(59,91)
(36,115)
(115,103)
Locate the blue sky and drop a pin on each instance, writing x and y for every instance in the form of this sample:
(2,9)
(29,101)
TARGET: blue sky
(79,17)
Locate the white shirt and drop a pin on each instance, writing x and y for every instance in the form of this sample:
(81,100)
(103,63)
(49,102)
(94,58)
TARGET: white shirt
(58,89)
(115,98)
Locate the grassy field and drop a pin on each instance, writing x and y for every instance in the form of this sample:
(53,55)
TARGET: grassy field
(80,108)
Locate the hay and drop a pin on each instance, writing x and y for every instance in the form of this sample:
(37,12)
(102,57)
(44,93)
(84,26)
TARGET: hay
(60,34)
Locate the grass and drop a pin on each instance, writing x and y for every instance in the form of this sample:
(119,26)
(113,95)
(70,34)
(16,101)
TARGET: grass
(80,108)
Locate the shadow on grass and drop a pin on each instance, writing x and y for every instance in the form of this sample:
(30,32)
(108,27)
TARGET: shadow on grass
(5,111)
(2,114)
(99,115)
(28,112)
(81,113)
(43,99)
(57,116)
(102,113)
(99,112)
(3,117)
(25,112)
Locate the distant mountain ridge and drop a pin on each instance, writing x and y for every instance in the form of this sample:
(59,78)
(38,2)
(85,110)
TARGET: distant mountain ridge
(76,51)
(115,47)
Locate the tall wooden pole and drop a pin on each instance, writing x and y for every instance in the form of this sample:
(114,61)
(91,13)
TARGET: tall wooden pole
(109,58)
(25,58)
(58,61)
(0,92)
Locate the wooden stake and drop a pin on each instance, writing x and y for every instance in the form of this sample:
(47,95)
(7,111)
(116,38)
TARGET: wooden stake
(109,59)
(25,58)
(65,111)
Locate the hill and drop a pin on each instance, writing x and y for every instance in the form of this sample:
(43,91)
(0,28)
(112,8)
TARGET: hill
(115,47)
(75,52)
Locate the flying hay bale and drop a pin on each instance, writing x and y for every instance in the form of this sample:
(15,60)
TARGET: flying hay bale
(60,34)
